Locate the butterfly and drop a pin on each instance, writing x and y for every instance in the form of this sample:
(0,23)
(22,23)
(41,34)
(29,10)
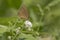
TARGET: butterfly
(23,12)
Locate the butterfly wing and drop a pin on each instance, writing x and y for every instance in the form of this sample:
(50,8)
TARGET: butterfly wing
(23,12)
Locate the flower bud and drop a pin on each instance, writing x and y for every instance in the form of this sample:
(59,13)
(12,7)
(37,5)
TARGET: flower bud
(18,30)
(9,37)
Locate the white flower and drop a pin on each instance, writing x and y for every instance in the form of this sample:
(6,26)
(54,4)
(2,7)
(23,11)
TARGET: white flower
(18,30)
(9,37)
(28,23)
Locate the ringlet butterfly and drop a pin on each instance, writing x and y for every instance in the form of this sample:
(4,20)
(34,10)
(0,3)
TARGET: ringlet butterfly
(23,12)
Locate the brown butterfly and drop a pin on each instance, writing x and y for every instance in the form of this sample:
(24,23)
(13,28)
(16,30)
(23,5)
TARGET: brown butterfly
(23,12)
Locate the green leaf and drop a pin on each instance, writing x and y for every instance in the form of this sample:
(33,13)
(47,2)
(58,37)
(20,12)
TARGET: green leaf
(3,29)
(27,36)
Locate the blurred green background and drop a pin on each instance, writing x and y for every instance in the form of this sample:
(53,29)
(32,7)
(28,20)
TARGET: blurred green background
(44,15)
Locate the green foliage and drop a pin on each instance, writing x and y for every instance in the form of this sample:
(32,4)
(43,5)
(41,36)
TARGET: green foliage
(44,15)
